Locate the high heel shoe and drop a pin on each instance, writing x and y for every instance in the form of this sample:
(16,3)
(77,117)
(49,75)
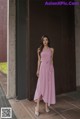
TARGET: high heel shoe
(47,110)
(36,112)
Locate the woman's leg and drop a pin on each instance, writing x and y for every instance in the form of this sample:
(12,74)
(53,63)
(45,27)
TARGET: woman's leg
(37,106)
(46,107)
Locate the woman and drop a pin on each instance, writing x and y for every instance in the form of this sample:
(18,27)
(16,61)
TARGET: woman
(45,89)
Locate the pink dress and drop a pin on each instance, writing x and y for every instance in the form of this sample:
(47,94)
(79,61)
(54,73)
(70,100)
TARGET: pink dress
(45,88)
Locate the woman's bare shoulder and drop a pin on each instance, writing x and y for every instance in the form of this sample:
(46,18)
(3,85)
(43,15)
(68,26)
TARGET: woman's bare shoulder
(52,49)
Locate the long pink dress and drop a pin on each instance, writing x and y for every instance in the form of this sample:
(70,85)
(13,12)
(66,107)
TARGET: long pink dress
(45,88)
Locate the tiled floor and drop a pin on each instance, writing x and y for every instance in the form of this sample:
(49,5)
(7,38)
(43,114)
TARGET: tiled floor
(4,102)
(67,106)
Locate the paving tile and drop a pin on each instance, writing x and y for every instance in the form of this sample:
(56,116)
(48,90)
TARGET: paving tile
(72,114)
(71,100)
(74,95)
(30,106)
(19,110)
(61,105)
(5,103)
(75,103)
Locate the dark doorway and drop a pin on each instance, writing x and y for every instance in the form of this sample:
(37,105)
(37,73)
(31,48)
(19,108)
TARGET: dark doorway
(33,20)
(58,23)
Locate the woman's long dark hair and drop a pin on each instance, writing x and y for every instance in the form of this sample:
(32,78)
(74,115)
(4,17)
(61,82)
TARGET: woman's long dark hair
(42,45)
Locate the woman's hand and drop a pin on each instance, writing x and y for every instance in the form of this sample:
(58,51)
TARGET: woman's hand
(37,73)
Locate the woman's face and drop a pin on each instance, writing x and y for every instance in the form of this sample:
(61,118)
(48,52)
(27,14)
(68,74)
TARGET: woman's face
(45,41)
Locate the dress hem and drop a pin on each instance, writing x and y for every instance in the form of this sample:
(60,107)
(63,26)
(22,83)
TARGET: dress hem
(42,99)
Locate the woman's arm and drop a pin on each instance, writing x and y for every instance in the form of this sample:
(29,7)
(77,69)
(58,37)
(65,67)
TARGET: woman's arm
(39,60)
(52,49)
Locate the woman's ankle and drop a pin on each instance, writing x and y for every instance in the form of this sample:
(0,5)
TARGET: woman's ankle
(46,106)
(37,108)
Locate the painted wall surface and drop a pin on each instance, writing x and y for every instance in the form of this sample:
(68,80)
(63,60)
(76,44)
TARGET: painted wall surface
(3,30)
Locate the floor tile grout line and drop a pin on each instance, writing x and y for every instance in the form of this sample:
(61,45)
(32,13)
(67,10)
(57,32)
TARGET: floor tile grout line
(13,109)
(72,104)
(68,109)
(28,111)
(32,110)
(59,113)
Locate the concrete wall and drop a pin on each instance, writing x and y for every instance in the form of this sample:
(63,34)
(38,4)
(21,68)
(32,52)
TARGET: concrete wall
(77,43)
(11,48)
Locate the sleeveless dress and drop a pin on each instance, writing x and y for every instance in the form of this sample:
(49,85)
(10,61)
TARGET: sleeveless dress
(45,88)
